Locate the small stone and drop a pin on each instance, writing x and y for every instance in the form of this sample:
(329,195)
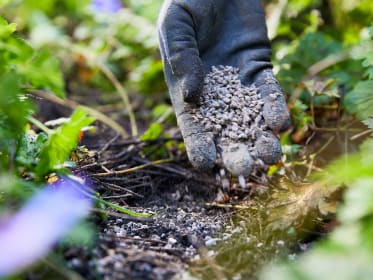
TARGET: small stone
(116,229)
(171,241)
(211,242)
(211,253)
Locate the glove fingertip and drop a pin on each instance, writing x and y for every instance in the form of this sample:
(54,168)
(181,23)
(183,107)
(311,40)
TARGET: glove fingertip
(201,151)
(192,86)
(276,113)
(268,148)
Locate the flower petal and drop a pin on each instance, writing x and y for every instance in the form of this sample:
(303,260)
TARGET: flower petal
(106,6)
(46,217)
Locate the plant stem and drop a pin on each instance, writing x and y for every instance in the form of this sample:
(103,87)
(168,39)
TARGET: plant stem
(96,196)
(39,125)
(132,169)
(124,95)
(365,132)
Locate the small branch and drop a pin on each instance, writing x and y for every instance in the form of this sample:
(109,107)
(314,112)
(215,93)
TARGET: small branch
(356,136)
(219,205)
(329,129)
(311,164)
(107,145)
(132,169)
(330,140)
(327,62)
(123,94)
(96,197)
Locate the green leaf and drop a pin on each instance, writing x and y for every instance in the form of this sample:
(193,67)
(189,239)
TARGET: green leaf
(5,28)
(369,122)
(159,110)
(14,108)
(61,143)
(13,191)
(324,264)
(358,201)
(360,100)
(44,72)
(29,148)
(153,132)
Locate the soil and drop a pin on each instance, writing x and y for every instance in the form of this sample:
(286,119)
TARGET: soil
(190,214)
(159,247)
(199,226)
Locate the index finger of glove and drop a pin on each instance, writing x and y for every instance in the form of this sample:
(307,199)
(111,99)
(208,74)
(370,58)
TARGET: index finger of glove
(179,49)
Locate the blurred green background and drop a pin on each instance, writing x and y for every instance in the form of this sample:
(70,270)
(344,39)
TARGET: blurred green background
(108,60)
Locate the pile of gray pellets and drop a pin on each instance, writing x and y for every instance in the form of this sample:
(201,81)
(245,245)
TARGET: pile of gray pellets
(233,113)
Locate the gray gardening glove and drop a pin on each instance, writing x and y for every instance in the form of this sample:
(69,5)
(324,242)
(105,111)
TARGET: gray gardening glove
(197,34)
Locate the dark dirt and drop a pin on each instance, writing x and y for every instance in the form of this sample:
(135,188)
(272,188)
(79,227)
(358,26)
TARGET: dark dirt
(185,220)
(196,225)
(159,247)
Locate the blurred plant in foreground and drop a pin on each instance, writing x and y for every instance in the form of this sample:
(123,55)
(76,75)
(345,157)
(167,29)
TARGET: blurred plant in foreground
(347,253)
(29,234)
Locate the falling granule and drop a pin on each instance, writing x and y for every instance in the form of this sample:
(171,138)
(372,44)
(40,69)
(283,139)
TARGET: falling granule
(242,181)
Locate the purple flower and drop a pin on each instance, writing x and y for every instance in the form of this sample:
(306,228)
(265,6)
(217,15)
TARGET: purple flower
(106,6)
(30,233)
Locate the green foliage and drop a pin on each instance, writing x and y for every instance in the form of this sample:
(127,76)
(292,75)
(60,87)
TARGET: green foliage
(23,67)
(13,191)
(295,64)
(369,122)
(153,132)
(6,29)
(81,234)
(14,110)
(29,147)
(38,70)
(344,171)
(61,143)
(360,99)
(300,118)
(86,39)
(348,252)
(293,204)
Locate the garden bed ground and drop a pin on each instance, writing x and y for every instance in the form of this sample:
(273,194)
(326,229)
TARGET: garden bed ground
(187,207)
(197,228)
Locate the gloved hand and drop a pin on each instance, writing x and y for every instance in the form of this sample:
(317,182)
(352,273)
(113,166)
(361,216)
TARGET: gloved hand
(195,35)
